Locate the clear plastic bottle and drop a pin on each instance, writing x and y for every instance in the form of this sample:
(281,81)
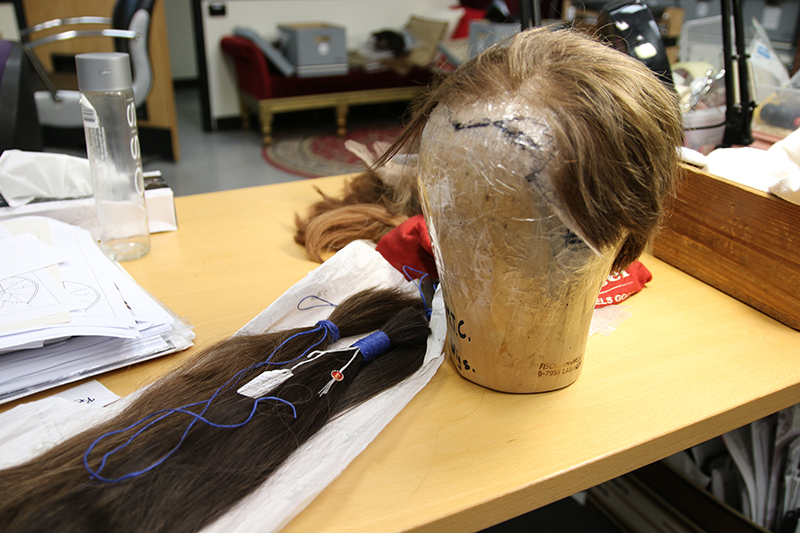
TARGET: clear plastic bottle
(112,144)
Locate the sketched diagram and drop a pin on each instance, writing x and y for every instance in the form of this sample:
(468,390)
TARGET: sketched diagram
(17,290)
(85,296)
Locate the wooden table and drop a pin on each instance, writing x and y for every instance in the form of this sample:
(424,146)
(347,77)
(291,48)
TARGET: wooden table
(689,364)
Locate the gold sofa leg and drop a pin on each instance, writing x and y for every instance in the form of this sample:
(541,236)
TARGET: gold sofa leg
(342,109)
(265,116)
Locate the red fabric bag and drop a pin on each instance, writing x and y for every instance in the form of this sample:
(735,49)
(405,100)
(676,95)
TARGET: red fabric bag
(623,284)
(408,248)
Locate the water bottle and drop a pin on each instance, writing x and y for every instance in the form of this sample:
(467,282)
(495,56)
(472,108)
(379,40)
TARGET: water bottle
(112,144)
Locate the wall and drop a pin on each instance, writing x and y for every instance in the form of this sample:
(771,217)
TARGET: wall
(182,42)
(8,22)
(359,17)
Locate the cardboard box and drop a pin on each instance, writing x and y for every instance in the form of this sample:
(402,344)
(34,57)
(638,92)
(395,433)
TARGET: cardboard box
(742,241)
(316,49)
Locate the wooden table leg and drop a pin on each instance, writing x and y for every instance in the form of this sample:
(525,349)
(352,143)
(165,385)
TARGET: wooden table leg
(342,108)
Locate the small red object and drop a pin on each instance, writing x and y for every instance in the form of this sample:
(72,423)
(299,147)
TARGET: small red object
(409,245)
(337,375)
(623,284)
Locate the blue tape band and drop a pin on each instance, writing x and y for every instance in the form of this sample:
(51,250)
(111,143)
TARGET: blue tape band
(373,345)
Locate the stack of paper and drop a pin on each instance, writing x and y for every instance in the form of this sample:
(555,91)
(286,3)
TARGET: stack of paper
(67,311)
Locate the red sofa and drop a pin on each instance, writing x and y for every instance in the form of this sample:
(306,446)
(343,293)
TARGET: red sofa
(262,86)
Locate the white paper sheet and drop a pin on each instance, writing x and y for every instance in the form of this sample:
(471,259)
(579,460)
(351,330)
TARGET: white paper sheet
(91,392)
(31,301)
(85,288)
(100,319)
(26,253)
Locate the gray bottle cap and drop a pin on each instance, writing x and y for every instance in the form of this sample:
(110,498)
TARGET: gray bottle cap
(103,71)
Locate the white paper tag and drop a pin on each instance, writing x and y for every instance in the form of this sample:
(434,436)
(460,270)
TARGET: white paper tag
(89,114)
(262,384)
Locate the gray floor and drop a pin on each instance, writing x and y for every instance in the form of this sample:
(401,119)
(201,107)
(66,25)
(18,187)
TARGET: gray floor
(213,161)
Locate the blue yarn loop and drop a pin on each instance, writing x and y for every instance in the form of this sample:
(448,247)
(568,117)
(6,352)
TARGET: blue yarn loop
(330,333)
(330,329)
(325,303)
(428,306)
(164,414)
(373,345)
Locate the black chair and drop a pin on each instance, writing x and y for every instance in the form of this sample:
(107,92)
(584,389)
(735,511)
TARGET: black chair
(19,122)
(129,27)
(629,26)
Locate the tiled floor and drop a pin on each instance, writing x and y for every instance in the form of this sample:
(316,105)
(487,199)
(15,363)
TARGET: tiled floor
(213,161)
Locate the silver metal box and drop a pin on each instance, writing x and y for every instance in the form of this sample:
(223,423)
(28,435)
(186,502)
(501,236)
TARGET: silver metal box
(317,49)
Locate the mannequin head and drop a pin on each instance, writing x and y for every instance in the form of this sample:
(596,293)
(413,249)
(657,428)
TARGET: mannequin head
(544,163)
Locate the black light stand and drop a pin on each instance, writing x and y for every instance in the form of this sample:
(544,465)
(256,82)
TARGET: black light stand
(530,15)
(738,101)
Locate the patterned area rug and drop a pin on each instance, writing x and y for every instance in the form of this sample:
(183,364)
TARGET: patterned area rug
(310,153)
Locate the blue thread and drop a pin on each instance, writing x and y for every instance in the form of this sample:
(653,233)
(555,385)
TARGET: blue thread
(330,328)
(325,304)
(166,412)
(407,269)
(428,308)
(373,345)
(327,327)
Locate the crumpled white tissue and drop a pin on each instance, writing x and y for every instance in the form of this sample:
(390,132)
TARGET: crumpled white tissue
(692,157)
(776,170)
(787,186)
(25,176)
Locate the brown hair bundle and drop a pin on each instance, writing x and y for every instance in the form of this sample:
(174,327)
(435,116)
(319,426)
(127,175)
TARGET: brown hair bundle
(368,209)
(213,466)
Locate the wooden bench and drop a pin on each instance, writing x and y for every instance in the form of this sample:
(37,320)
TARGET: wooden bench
(267,107)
